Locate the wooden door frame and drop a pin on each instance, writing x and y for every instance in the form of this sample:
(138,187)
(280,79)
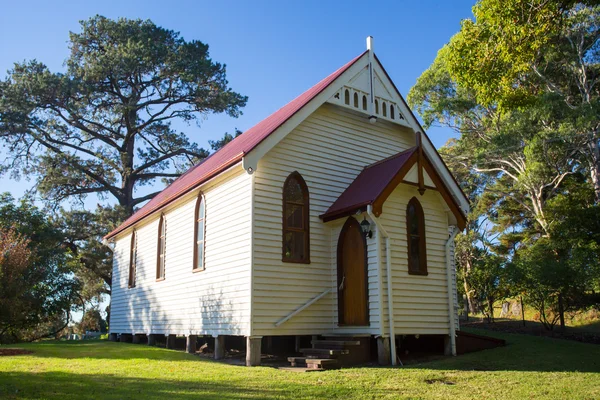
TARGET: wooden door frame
(340,300)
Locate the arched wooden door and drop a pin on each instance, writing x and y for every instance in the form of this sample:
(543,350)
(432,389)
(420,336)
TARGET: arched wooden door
(352,275)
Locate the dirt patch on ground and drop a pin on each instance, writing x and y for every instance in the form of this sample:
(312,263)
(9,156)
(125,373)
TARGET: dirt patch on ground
(536,329)
(14,352)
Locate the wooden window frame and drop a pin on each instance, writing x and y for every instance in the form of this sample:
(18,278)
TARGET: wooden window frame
(420,215)
(132,260)
(161,248)
(201,199)
(305,222)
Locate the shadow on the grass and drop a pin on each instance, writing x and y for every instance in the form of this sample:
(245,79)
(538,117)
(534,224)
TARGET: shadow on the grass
(103,349)
(525,353)
(60,385)
(522,353)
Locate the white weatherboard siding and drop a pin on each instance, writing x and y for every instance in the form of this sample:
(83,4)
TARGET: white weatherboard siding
(214,301)
(420,302)
(329,149)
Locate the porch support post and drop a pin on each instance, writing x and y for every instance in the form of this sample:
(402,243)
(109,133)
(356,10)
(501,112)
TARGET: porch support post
(253,349)
(112,337)
(219,347)
(383,350)
(151,339)
(171,341)
(190,344)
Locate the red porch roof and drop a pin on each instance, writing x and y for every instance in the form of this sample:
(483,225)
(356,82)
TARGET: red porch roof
(373,185)
(231,154)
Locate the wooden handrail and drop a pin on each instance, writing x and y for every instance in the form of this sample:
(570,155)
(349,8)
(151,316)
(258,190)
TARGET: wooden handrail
(307,304)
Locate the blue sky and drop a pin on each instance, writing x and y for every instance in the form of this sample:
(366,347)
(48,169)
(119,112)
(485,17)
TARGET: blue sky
(273,50)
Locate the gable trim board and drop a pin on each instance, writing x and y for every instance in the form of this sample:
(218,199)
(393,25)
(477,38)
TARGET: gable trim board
(377,181)
(253,144)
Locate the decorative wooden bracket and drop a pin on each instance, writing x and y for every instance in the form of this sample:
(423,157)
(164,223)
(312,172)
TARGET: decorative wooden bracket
(420,163)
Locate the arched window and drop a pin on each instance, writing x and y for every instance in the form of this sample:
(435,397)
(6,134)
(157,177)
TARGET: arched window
(415,229)
(295,220)
(376,106)
(392,115)
(347,97)
(161,249)
(384,109)
(199,231)
(132,259)
(364,102)
(356,100)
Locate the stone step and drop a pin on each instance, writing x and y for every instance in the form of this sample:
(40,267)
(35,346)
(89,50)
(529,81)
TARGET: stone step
(322,363)
(325,353)
(297,361)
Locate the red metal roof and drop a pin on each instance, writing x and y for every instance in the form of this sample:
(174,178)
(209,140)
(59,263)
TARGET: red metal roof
(230,154)
(369,185)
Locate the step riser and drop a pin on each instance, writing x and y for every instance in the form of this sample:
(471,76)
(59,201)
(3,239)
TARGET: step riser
(325,352)
(332,353)
(331,347)
(336,342)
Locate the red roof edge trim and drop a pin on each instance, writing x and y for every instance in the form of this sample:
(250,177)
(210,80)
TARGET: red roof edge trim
(305,98)
(182,192)
(232,152)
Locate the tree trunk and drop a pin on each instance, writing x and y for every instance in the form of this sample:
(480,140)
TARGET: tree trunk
(595,175)
(491,310)
(469,296)
(127,179)
(561,312)
(522,311)
(472,307)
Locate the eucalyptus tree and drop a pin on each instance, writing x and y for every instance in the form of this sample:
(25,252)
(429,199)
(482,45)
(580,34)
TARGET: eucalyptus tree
(519,84)
(517,52)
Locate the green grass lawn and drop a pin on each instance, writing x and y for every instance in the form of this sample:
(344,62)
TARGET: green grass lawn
(527,368)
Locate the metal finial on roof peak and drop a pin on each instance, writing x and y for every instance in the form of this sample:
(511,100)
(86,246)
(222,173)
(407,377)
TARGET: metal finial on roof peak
(370,43)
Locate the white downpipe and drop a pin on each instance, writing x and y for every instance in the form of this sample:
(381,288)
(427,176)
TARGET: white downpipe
(388,260)
(451,311)
(379,280)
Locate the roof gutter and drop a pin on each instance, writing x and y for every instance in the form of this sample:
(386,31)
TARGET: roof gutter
(388,260)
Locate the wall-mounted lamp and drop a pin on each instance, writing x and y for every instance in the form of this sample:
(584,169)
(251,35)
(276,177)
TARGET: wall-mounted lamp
(372,119)
(366,228)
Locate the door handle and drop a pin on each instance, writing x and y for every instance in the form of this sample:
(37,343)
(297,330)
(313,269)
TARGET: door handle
(341,287)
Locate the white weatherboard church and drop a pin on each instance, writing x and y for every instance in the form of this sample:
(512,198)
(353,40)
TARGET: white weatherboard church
(332,218)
